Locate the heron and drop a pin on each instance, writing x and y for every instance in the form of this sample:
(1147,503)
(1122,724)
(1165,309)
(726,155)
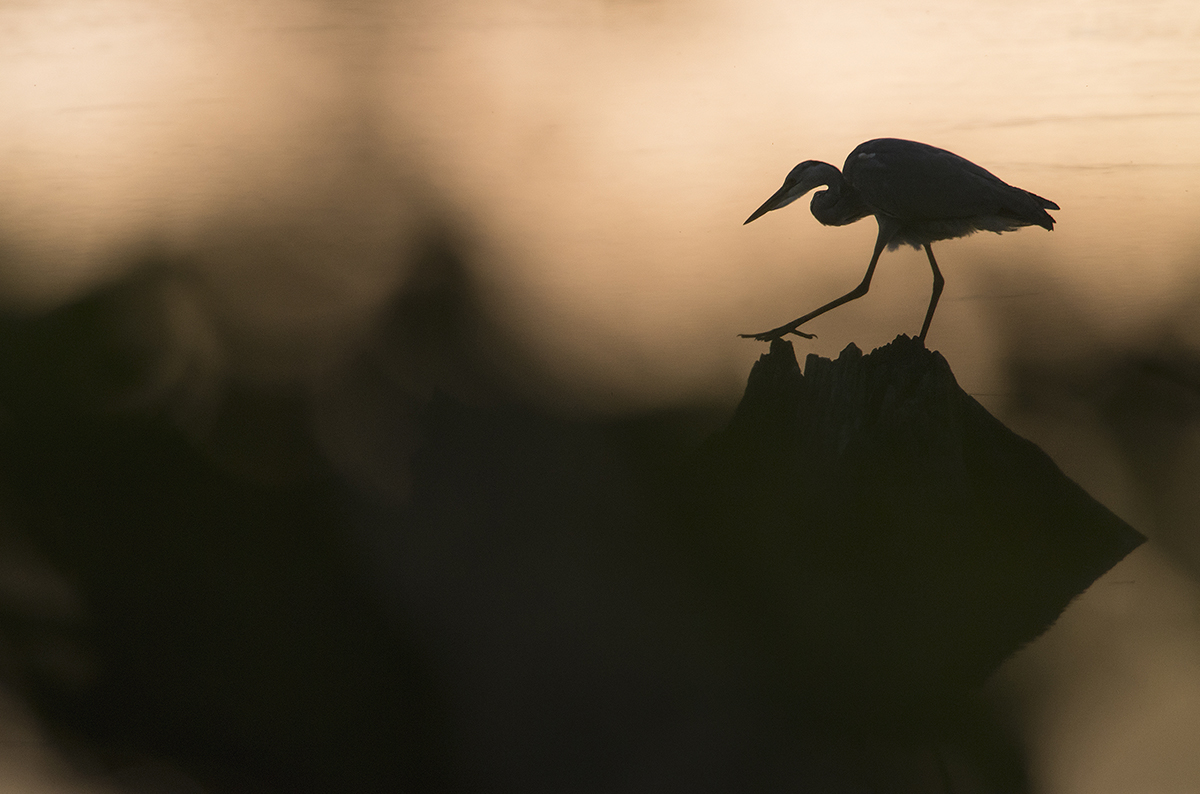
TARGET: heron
(918,193)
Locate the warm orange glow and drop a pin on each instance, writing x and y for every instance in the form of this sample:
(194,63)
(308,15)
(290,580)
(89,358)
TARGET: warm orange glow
(615,161)
(607,153)
(601,157)
(230,136)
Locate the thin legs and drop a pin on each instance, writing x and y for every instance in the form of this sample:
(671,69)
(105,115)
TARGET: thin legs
(857,292)
(938,283)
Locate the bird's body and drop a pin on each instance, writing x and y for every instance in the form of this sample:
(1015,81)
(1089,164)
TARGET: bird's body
(918,194)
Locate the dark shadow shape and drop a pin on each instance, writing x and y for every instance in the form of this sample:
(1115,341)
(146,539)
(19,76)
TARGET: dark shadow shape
(905,541)
(808,598)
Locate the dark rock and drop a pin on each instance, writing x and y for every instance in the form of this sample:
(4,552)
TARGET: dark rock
(903,541)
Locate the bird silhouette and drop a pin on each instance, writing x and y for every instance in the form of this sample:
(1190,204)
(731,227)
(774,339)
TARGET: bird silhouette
(918,194)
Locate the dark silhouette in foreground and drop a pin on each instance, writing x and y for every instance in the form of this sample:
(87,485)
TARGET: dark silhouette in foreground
(874,489)
(918,194)
(806,600)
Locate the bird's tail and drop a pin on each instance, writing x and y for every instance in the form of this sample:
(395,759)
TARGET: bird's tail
(1046,203)
(1037,214)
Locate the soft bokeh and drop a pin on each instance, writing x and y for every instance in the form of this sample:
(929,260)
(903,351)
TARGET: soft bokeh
(594,162)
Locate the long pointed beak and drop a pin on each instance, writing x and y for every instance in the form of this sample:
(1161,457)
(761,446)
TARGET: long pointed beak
(780,198)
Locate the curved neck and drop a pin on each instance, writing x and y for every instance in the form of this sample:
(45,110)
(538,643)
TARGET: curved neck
(839,203)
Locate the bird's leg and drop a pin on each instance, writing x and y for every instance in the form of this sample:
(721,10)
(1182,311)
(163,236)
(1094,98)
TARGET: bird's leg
(938,283)
(766,336)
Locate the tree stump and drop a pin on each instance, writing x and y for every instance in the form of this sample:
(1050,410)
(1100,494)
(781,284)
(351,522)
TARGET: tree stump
(905,542)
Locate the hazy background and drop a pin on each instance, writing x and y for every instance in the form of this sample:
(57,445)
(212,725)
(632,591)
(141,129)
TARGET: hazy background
(593,163)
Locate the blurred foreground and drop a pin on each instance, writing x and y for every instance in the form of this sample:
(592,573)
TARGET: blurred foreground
(398,572)
(244,245)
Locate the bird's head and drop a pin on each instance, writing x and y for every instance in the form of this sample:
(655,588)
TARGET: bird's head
(800,180)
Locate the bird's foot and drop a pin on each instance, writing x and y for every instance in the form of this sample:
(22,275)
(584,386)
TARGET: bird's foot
(777,333)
